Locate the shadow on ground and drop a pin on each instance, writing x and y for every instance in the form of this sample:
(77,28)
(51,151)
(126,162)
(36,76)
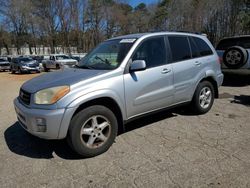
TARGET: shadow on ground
(23,143)
(242,99)
(236,79)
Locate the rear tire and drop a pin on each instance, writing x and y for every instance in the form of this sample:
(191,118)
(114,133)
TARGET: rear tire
(203,98)
(92,131)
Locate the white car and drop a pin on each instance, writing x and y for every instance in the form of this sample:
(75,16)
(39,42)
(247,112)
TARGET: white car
(57,61)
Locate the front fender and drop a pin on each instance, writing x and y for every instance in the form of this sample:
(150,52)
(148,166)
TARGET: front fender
(73,106)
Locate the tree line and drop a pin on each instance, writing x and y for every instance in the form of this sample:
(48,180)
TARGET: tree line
(85,23)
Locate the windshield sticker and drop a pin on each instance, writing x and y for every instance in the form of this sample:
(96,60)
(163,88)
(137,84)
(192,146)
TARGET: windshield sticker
(127,40)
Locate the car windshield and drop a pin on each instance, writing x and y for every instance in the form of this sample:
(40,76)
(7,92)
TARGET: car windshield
(26,59)
(61,57)
(108,55)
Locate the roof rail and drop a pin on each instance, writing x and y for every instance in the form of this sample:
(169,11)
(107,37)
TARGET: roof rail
(181,31)
(197,33)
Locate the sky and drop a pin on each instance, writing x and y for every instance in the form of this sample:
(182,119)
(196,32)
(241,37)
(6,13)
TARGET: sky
(136,2)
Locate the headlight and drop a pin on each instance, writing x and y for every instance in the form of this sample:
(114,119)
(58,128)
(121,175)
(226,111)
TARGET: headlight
(51,95)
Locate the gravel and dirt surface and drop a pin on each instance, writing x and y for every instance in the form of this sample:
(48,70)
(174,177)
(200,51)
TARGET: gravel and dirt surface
(170,149)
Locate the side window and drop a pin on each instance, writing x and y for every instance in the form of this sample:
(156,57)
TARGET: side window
(179,47)
(152,51)
(203,47)
(194,49)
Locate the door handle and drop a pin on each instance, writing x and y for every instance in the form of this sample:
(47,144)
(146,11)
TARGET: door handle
(197,63)
(164,71)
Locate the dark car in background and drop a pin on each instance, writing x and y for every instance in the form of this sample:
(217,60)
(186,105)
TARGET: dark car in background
(234,52)
(4,64)
(24,65)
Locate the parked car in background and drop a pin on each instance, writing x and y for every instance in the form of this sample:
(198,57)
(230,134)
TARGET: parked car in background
(38,58)
(24,64)
(57,61)
(78,56)
(121,79)
(234,52)
(4,64)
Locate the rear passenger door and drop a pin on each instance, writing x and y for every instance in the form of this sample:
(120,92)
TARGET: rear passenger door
(190,55)
(185,69)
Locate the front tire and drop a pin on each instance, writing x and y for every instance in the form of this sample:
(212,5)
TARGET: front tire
(203,97)
(92,131)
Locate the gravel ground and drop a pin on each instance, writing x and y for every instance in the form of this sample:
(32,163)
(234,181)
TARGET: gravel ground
(168,149)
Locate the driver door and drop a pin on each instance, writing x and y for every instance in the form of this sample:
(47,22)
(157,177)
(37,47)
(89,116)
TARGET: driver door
(149,89)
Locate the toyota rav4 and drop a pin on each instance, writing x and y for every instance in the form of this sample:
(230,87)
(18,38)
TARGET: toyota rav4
(121,79)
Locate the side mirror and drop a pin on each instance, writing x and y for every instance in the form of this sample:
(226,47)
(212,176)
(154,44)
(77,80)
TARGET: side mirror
(137,65)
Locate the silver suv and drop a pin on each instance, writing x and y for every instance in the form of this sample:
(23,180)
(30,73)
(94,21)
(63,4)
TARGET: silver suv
(121,79)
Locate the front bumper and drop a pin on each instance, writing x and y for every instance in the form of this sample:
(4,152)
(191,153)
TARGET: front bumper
(30,69)
(28,119)
(4,67)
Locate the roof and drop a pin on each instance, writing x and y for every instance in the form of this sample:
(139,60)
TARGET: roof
(139,35)
(236,37)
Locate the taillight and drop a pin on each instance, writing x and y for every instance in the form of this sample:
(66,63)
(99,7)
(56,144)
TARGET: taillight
(220,60)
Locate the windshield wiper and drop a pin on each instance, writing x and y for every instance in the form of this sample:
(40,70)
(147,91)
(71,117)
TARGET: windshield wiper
(103,60)
(84,67)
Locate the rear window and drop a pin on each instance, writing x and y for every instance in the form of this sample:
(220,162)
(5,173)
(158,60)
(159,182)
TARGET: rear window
(224,44)
(179,47)
(203,47)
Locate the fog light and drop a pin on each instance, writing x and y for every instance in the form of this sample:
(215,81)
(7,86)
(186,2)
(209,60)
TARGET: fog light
(41,125)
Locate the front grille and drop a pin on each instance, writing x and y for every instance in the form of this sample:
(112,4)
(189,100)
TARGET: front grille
(4,64)
(24,96)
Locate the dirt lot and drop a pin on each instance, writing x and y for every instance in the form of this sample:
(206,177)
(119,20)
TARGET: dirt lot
(169,149)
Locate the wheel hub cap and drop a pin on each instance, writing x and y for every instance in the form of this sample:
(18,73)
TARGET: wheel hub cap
(95,131)
(205,97)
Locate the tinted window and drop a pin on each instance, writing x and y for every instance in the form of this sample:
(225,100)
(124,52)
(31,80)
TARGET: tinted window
(152,51)
(203,47)
(180,48)
(226,43)
(194,49)
(244,42)
(239,41)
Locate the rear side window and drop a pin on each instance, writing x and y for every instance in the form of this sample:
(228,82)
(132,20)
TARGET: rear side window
(203,47)
(179,47)
(152,51)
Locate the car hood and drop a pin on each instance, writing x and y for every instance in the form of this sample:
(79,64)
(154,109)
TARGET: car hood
(66,60)
(59,78)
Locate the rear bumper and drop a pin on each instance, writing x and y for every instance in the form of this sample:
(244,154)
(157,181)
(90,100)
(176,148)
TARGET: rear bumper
(220,79)
(237,71)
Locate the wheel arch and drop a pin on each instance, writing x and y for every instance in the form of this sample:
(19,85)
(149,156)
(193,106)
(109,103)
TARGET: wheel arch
(107,102)
(213,82)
